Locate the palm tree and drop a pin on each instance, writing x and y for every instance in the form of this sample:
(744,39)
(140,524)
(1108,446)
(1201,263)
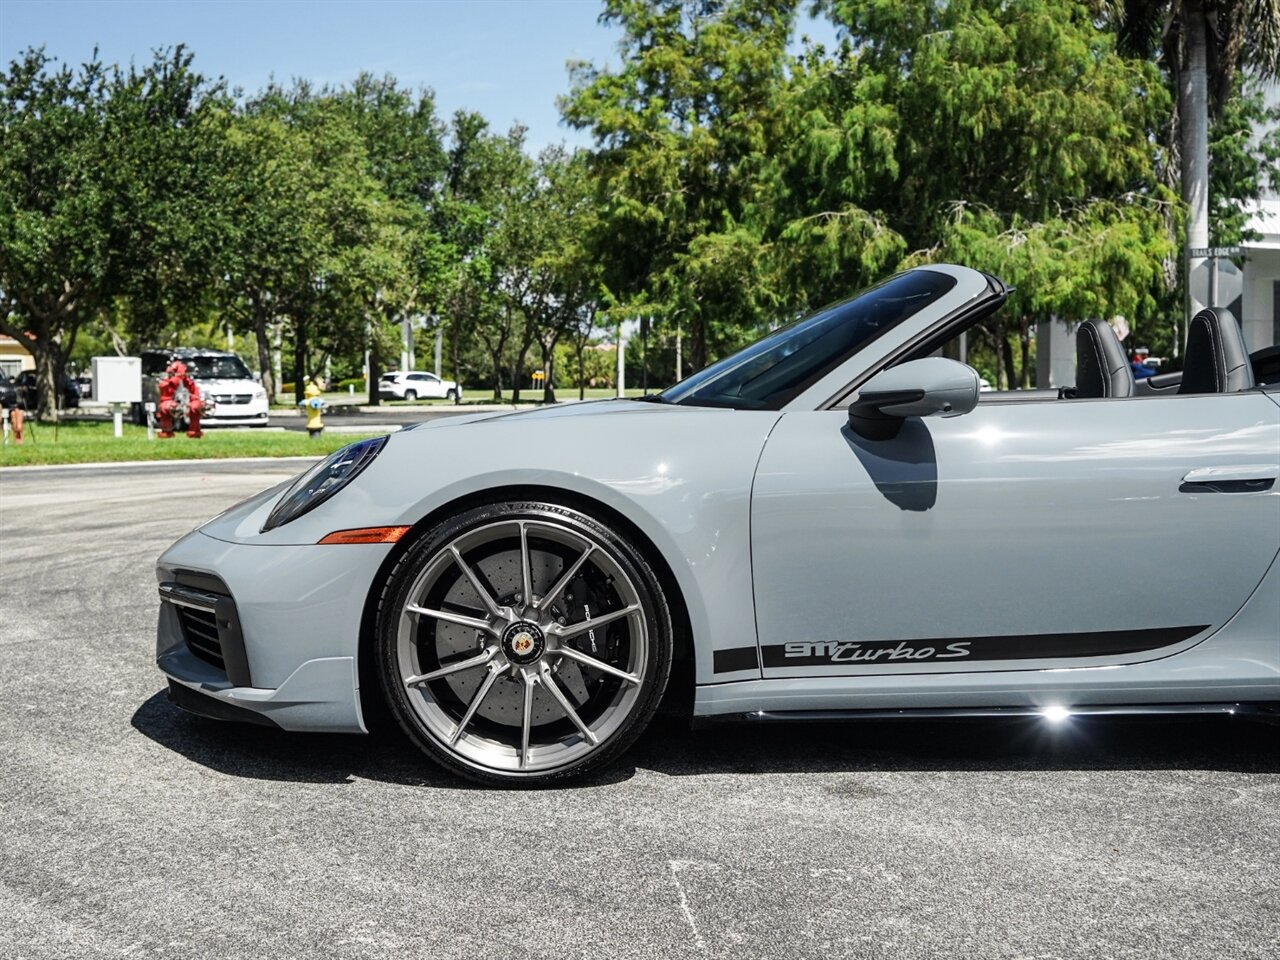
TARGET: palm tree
(1203,44)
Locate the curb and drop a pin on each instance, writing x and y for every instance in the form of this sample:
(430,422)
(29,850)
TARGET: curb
(134,464)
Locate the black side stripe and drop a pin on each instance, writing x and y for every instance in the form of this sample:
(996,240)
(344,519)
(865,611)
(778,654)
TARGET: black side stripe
(1043,646)
(735,658)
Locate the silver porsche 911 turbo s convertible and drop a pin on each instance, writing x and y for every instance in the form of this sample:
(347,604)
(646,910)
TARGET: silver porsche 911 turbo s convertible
(833,522)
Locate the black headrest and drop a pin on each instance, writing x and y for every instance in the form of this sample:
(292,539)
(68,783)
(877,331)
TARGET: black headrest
(1217,360)
(1101,367)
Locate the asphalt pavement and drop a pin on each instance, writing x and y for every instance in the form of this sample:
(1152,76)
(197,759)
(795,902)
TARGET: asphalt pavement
(128,828)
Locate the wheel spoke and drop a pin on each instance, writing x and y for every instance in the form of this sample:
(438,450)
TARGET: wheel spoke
(494,670)
(455,618)
(526,718)
(595,664)
(489,603)
(526,574)
(563,582)
(573,629)
(478,660)
(549,682)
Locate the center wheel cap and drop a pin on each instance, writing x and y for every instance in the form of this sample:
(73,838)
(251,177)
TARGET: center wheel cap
(523,642)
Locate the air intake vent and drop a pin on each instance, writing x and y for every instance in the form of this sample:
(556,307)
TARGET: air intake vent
(200,630)
(209,622)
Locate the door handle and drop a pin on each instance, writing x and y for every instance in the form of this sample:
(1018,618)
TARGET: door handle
(1246,478)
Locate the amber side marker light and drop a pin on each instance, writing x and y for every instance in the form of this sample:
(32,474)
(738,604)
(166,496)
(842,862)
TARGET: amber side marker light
(366,535)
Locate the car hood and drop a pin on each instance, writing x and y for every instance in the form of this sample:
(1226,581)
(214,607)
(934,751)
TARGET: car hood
(614,406)
(621,453)
(240,385)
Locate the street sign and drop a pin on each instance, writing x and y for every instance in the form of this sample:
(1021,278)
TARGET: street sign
(1215,251)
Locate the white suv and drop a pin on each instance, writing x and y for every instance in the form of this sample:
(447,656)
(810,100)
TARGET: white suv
(415,385)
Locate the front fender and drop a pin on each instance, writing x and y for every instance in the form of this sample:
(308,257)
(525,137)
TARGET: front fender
(681,475)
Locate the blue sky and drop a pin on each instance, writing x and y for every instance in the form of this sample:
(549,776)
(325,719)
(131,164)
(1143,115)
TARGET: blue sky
(504,58)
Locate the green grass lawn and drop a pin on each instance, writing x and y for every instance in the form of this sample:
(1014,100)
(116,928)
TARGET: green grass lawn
(84,442)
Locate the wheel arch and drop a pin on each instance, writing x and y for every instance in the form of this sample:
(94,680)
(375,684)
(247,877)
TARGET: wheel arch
(679,696)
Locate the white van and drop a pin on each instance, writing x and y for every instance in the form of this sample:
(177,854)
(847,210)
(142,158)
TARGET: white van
(232,396)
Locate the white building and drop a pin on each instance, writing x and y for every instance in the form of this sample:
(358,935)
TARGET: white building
(1252,294)
(1258,303)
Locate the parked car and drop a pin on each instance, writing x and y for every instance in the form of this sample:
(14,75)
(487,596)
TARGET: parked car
(8,392)
(833,523)
(415,385)
(29,391)
(234,397)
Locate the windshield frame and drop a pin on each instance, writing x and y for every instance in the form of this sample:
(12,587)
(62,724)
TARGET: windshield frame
(787,361)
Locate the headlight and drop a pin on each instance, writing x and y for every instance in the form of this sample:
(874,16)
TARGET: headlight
(259,394)
(324,480)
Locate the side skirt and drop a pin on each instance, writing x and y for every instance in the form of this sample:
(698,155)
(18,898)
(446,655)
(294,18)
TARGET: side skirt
(1262,710)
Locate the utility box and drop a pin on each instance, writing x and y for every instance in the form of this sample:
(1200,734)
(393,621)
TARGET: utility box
(117,379)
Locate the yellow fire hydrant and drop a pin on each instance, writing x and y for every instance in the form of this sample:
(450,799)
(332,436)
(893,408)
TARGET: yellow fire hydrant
(313,406)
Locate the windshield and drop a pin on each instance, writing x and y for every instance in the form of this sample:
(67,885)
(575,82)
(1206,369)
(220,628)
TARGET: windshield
(217,368)
(776,369)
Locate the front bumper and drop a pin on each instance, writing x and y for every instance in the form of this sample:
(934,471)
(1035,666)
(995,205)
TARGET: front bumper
(235,419)
(271,629)
(254,412)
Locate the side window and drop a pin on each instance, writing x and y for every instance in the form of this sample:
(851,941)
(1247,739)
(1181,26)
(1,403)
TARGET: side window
(153,363)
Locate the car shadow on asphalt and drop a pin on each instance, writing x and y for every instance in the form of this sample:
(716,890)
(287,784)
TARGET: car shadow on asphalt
(670,748)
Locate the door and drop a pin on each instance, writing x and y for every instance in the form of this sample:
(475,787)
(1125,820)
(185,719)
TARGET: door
(1025,534)
(426,385)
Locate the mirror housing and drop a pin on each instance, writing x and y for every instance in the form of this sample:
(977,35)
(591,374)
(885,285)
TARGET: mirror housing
(929,387)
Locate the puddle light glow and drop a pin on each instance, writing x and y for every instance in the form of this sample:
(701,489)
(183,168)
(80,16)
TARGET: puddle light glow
(1055,714)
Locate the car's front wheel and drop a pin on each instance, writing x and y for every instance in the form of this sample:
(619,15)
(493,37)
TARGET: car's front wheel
(411,395)
(523,642)
(452,395)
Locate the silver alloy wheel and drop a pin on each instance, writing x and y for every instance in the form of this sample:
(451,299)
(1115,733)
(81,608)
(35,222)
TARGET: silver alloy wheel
(494,669)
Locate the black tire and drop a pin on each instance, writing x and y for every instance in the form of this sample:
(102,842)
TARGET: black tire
(451,395)
(411,395)
(651,632)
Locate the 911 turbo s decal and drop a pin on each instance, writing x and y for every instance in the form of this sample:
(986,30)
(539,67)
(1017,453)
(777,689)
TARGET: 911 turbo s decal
(850,652)
(1044,646)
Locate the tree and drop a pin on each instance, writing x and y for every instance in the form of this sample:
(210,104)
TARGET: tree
(548,274)
(1203,44)
(486,176)
(403,139)
(316,243)
(684,132)
(1010,137)
(270,227)
(103,178)
(1244,161)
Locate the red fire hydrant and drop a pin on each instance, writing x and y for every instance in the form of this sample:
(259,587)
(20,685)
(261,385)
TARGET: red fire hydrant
(178,395)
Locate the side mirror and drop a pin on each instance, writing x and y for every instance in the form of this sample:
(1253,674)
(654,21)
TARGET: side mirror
(931,387)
